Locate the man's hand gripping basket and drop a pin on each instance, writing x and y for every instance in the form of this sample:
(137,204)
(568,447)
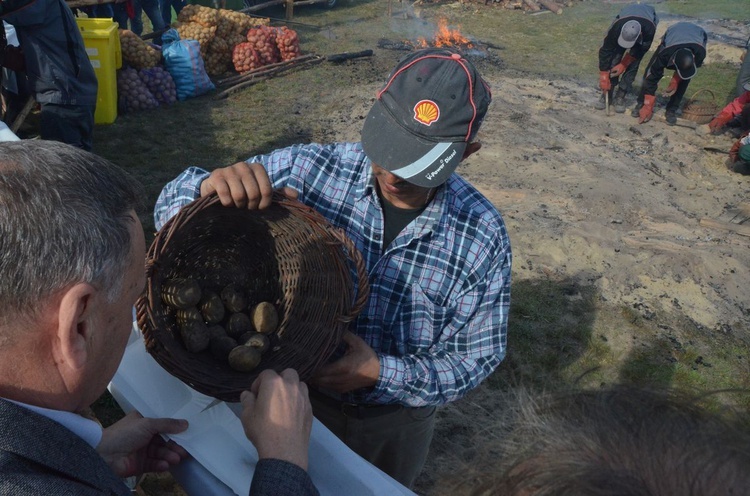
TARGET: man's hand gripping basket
(287,254)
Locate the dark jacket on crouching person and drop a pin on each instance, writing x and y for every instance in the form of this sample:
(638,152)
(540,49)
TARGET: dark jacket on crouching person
(678,36)
(611,53)
(59,73)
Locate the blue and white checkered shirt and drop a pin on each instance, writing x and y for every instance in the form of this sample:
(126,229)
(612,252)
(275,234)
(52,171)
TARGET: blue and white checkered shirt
(439,295)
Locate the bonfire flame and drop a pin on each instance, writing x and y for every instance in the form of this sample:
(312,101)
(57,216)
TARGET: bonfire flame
(446,37)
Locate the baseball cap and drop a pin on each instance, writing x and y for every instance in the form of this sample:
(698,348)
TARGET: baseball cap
(429,109)
(684,63)
(629,34)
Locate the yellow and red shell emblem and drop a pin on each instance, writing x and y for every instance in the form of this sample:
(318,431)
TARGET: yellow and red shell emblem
(426,112)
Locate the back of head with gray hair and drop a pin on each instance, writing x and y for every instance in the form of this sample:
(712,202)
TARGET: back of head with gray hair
(621,441)
(64,217)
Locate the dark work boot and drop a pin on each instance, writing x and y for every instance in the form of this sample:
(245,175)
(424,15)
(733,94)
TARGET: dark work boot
(620,102)
(671,117)
(636,112)
(601,104)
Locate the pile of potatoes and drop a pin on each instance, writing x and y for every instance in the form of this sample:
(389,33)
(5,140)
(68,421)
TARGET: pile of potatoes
(136,52)
(245,57)
(196,31)
(132,92)
(265,45)
(218,31)
(288,43)
(263,39)
(160,83)
(225,323)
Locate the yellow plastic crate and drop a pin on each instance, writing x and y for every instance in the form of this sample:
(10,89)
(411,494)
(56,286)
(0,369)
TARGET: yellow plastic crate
(102,41)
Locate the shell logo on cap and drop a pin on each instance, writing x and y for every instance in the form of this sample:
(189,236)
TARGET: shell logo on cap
(426,112)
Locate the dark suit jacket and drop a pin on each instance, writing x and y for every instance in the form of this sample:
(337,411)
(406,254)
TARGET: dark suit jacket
(38,456)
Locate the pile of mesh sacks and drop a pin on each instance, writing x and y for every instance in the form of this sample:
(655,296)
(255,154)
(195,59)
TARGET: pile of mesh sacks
(215,41)
(143,82)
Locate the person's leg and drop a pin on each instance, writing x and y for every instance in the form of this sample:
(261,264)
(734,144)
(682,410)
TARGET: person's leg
(670,113)
(120,15)
(71,124)
(674,100)
(153,12)
(641,95)
(397,442)
(743,77)
(136,23)
(178,5)
(626,81)
(744,118)
(166,11)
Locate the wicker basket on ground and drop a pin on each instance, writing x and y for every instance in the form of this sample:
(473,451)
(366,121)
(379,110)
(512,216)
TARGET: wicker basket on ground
(287,254)
(700,111)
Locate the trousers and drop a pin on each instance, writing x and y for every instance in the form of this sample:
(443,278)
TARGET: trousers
(394,438)
(71,124)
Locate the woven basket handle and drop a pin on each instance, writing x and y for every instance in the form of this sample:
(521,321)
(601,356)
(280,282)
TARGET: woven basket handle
(363,291)
(713,97)
(363,286)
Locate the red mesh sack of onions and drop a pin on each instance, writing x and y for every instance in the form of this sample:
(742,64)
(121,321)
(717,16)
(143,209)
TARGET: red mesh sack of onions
(132,92)
(245,57)
(287,42)
(160,83)
(263,39)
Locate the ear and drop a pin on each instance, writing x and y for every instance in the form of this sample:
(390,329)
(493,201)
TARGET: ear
(74,326)
(471,148)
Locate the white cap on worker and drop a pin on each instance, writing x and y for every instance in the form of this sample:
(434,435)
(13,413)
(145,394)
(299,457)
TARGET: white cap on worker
(629,34)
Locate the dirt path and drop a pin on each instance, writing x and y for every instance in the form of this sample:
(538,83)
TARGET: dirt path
(597,197)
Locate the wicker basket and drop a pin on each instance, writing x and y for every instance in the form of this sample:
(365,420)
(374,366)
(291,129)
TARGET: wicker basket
(287,254)
(700,111)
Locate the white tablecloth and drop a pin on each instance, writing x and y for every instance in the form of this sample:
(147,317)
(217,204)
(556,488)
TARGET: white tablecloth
(223,459)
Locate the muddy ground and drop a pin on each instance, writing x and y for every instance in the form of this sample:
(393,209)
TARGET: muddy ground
(600,201)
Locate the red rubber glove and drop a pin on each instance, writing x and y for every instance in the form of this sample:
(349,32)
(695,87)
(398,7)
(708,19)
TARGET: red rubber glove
(647,111)
(604,83)
(617,70)
(718,122)
(672,85)
(734,152)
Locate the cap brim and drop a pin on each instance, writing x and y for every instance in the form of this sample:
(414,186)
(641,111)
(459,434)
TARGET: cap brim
(411,157)
(624,43)
(687,73)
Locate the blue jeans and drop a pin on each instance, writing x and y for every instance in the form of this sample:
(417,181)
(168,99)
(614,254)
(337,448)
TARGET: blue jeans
(150,7)
(166,9)
(99,11)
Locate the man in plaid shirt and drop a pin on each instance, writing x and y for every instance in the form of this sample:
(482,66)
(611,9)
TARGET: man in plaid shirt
(436,251)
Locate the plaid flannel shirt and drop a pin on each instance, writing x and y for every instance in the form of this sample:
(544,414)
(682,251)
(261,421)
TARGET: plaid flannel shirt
(439,294)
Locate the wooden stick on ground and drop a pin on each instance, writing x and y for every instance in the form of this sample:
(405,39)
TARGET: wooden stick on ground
(725,226)
(263,75)
(341,57)
(680,121)
(532,5)
(23,114)
(249,74)
(551,5)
